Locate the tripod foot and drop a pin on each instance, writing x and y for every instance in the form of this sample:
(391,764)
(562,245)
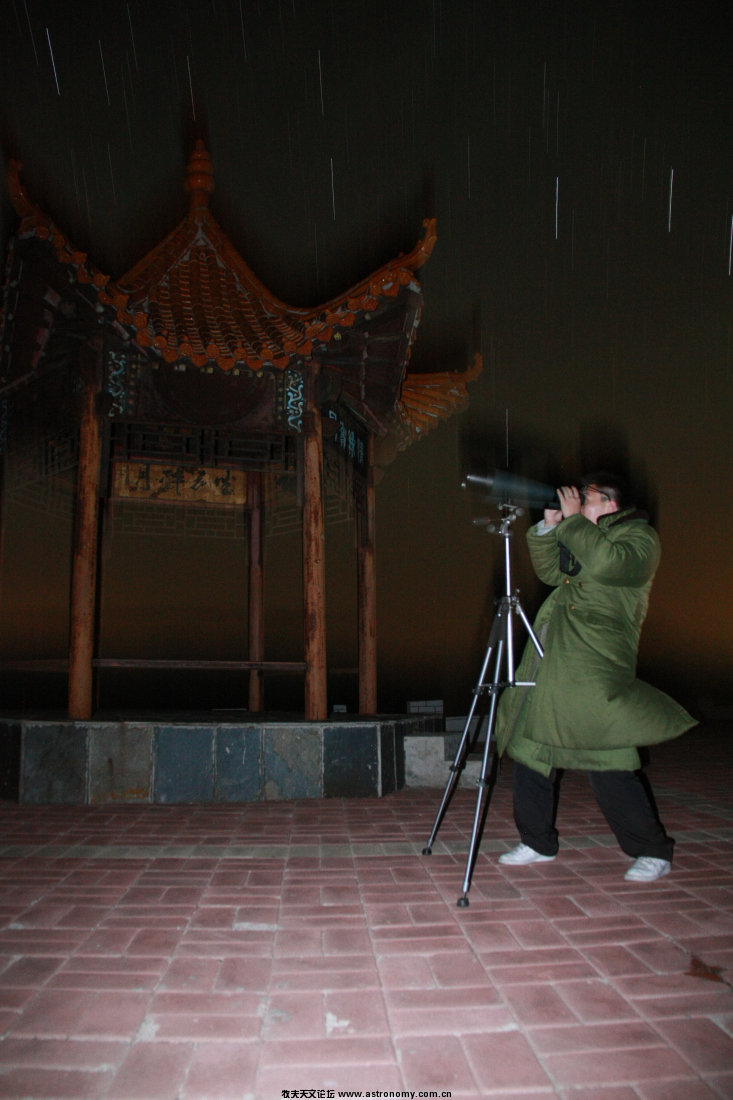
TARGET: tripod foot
(427,851)
(462,902)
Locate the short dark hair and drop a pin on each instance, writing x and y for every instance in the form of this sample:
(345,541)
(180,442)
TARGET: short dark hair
(611,485)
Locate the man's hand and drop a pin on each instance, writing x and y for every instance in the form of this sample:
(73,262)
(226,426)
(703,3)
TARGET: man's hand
(570,502)
(552,517)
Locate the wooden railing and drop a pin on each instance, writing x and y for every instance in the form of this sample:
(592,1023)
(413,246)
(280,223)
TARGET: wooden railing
(61,664)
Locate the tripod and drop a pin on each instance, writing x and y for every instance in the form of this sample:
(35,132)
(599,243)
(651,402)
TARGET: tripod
(500,647)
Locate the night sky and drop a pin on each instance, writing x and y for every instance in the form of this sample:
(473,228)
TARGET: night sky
(578,157)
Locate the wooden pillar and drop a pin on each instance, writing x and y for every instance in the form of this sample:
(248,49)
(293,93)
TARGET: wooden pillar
(2,516)
(314,564)
(256,590)
(367,595)
(85,548)
(4,430)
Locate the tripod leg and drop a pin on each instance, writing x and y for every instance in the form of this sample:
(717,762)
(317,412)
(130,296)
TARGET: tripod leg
(459,760)
(456,768)
(484,785)
(532,636)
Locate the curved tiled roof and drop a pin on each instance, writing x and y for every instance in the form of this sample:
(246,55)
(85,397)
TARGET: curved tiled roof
(426,399)
(196,299)
(34,223)
(192,301)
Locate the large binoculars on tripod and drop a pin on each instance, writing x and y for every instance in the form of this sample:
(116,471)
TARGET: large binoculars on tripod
(503,486)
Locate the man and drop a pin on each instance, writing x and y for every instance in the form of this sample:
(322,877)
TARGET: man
(587,710)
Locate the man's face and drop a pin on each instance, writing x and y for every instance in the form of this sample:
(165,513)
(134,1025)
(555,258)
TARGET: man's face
(596,503)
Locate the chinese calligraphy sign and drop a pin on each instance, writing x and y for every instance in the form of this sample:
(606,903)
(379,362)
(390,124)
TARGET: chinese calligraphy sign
(178,484)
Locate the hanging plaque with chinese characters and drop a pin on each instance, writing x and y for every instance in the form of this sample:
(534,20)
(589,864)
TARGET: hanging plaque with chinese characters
(346,437)
(178,484)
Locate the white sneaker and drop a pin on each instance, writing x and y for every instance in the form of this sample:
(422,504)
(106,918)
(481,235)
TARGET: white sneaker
(522,855)
(647,869)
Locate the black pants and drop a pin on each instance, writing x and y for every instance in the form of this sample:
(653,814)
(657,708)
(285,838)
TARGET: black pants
(624,799)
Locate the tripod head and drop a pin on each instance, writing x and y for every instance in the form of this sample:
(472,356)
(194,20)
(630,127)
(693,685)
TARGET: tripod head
(510,514)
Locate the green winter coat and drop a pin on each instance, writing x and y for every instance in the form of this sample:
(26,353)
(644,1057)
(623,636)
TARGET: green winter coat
(587,710)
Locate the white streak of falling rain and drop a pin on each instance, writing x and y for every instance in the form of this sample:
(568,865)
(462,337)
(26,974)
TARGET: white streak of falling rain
(50,50)
(557,202)
(111,174)
(104,74)
(132,37)
(320,82)
(669,209)
(127,111)
(333,192)
(75,176)
(241,23)
(290,144)
(468,154)
(315,241)
(30,28)
(128,69)
(643,171)
(190,85)
(86,197)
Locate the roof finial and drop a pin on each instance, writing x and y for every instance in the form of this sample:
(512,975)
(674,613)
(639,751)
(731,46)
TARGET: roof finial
(199,176)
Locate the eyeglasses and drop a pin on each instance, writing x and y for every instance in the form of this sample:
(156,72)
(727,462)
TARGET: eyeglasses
(592,489)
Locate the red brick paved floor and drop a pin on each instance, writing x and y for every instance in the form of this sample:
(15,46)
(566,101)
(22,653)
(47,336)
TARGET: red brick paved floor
(190,952)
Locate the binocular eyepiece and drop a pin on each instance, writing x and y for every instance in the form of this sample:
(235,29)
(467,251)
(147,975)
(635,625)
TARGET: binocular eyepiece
(503,486)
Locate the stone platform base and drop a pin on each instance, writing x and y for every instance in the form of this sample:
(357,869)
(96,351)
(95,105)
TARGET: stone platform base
(429,754)
(167,761)
(428,758)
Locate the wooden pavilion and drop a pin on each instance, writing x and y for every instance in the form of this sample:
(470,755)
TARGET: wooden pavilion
(186,380)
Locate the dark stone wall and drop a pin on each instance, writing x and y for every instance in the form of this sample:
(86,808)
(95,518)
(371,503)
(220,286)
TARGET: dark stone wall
(10,734)
(98,763)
